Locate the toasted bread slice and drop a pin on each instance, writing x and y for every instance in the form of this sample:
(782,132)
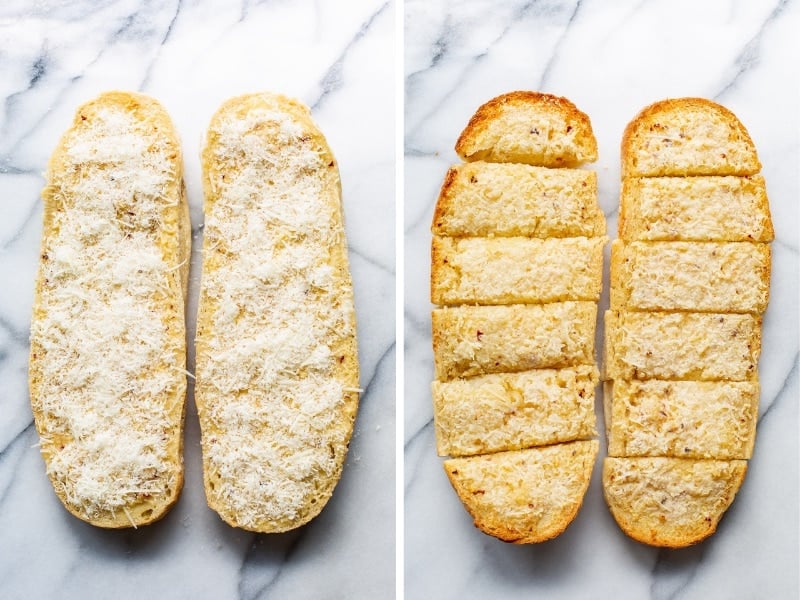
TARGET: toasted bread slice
(107,365)
(695,276)
(524,496)
(515,270)
(277,369)
(696,346)
(476,340)
(530,128)
(700,209)
(511,411)
(684,419)
(671,502)
(505,199)
(687,136)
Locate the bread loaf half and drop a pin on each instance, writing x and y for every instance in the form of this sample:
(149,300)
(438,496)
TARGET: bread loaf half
(107,365)
(277,369)
(689,282)
(516,272)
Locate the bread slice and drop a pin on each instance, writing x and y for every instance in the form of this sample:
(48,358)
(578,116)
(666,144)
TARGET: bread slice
(695,276)
(687,136)
(476,340)
(277,369)
(511,411)
(107,364)
(670,502)
(506,199)
(700,209)
(684,419)
(530,128)
(696,346)
(515,270)
(524,496)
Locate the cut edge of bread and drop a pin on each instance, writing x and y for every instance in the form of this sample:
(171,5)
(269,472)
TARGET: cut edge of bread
(522,512)
(510,128)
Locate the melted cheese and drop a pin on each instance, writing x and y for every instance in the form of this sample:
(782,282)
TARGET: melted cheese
(267,365)
(106,362)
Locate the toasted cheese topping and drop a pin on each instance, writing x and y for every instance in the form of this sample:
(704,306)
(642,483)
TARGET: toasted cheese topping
(279,318)
(106,363)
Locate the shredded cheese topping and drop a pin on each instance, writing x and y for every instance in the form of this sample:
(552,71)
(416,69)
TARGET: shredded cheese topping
(278,315)
(106,359)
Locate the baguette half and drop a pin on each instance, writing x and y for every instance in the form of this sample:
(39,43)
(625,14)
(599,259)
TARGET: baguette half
(107,365)
(277,368)
(524,496)
(530,128)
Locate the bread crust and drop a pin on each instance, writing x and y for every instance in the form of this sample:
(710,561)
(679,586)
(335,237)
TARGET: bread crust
(509,128)
(274,136)
(668,138)
(171,235)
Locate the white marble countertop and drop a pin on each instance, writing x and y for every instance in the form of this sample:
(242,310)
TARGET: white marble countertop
(55,55)
(611,59)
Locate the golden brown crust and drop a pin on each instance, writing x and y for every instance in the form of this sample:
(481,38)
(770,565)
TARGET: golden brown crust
(343,345)
(524,496)
(687,136)
(174,240)
(537,129)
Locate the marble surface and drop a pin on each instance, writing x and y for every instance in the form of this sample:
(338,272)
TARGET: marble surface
(611,59)
(191,55)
